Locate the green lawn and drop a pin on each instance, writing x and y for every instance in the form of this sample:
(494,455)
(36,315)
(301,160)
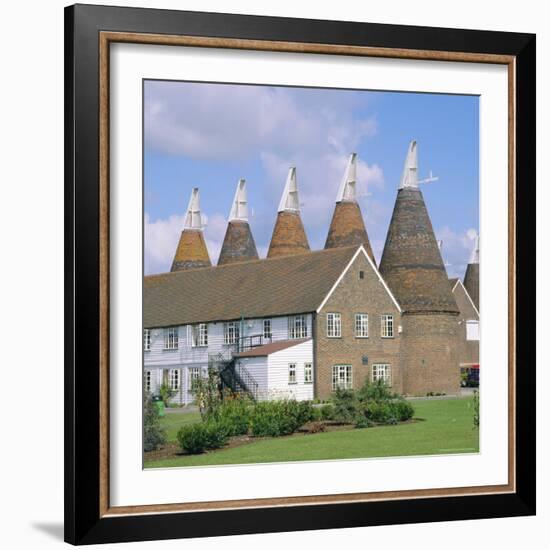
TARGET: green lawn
(444,427)
(173,421)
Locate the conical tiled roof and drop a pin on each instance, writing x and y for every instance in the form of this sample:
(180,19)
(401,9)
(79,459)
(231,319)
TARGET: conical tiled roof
(347,227)
(289,236)
(191,251)
(411,262)
(471,277)
(238,244)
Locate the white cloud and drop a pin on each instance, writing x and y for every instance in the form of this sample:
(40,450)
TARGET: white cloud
(457,248)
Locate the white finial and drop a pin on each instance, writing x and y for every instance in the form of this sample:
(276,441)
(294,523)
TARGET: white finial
(239,208)
(474,258)
(346,191)
(409,178)
(289,200)
(193,219)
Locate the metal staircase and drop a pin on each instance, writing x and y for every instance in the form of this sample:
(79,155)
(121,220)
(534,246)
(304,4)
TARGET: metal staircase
(233,376)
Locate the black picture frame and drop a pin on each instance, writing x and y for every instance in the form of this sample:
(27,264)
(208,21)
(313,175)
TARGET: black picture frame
(83,521)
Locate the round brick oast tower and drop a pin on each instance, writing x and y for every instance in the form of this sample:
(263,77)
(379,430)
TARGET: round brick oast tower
(471,282)
(412,267)
(347,228)
(238,244)
(191,252)
(289,236)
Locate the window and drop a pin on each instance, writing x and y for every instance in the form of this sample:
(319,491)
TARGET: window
(231,332)
(194,375)
(472,330)
(361,325)
(381,372)
(308,373)
(171,338)
(292,373)
(200,335)
(146,339)
(267,329)
(341,377)
(361,274)
(297,327)
(334,325)
(387,326)
(174,379)
(148,381)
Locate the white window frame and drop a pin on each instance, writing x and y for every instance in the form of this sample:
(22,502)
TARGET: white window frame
(334,325)
(199,335)
(381,371)
(174,379)
(193,373)
(146,339)
(337,371)
(387,328)
(292,374)
(171,338)
(472,330)
(231,332)
(308,373)
(267,334)
(297,327)
(148,381)
(361,325)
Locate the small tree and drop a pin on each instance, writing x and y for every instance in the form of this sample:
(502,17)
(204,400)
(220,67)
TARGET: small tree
(153,433)
(476,409)
(166,393)
(206,391)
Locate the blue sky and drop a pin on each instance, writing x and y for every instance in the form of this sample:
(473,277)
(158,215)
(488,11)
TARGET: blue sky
(210,135)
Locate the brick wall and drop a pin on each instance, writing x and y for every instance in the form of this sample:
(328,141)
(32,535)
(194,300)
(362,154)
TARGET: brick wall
(429,354)
(354,295)
(468,349)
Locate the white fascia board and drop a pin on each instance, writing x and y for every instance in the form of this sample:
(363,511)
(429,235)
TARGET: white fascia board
(360,250)
(467,294)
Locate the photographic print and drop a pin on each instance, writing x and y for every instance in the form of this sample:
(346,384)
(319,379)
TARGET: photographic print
(311,274)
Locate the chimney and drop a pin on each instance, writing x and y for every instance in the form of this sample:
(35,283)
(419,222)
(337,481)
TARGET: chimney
(347,227)
(238,244)
(191,252)
(411,263)
(471,277)
(289,236)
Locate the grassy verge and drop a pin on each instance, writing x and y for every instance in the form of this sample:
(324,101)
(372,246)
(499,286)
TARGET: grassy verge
(443,427)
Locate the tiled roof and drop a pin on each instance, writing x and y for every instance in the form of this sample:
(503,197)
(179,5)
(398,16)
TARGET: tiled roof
(191,252)
(347,228)
(289,236)
(471,282)
(254,289)
(411,263)
(238,244)
(268,349)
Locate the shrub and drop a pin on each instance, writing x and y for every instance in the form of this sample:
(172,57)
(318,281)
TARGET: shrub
(276,418)
(375,391)
(234,413)
(403,410)
(196,438)
(153,433)
(205,390)
(346,406)
(328,412)
(378,411)
(363,422)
